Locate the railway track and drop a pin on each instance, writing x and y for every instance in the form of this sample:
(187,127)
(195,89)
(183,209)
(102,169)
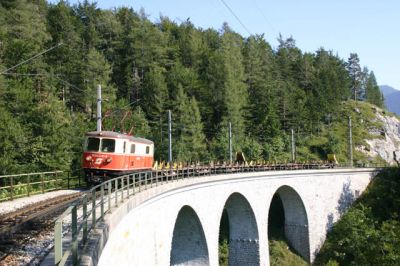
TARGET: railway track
(25,233)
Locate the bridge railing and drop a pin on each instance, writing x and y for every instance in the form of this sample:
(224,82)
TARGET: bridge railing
(73,226)
(23,185)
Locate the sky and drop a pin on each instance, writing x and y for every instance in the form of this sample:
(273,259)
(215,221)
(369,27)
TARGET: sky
(369,28)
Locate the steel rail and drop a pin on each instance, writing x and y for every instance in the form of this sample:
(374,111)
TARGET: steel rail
(10,222)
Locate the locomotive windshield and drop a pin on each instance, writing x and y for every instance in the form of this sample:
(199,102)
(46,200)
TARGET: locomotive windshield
(93,144)
(108,145)
(103,145)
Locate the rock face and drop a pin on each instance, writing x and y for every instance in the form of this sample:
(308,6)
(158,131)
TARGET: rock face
(388,145)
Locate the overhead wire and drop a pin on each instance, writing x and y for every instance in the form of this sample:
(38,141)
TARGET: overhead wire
(31,58)
(57,76)
(264,16)
(237,18)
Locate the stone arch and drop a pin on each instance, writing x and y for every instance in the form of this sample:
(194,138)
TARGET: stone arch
(295,221)
(243,231)
(189,246)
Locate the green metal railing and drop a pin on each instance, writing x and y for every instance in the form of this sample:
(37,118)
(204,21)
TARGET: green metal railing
(22,185)
(101,199)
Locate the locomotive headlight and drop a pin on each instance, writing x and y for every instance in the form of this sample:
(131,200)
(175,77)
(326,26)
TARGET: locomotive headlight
(88,158)
(108,160)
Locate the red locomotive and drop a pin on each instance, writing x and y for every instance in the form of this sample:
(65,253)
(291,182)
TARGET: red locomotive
(108,154)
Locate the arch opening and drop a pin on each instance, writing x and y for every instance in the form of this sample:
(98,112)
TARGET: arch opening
(189,246)
(238,227)
(288,222)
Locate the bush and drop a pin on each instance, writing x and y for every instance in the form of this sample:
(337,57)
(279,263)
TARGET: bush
(368,233)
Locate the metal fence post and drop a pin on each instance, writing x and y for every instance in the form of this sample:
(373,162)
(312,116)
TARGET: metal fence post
(122,189)
(129,178)
(11,187)
(145,181)
(42,182)
(116,192)
(56,174)
(93,208)
(84,213)
(102,202)
(109,186)
(29,185)
(140,181)
(58,249)
(133,184)
(74,229)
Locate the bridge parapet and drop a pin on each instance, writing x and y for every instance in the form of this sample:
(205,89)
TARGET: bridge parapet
(152,193)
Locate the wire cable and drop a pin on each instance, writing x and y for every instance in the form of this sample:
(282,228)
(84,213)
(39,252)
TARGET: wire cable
(237,18)
(57,76)
(264,16)
(29,59)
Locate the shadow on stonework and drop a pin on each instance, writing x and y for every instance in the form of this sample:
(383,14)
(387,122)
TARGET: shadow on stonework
(346,198)
(328,228)
(329,223)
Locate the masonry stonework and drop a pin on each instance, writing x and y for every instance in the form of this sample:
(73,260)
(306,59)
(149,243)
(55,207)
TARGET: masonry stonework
(142,229)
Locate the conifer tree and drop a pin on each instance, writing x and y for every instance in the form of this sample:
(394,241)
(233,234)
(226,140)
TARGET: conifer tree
(373,93)
(190,145)
(263,121)
(353,66)
(234,90)
(156,98)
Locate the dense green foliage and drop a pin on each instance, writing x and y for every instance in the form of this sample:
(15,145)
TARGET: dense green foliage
(332,137)
(281,254)
(208,78)
(368,234)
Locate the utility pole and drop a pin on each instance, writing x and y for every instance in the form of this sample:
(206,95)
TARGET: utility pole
(230,142)
(350,144)
(293,147)
(99,107)
(169,137)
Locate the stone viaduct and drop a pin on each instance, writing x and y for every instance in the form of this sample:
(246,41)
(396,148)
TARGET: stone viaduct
(179,223)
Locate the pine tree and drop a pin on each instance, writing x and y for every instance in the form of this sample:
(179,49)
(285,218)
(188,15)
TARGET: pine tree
(156,98)
(373,93)
(96,72)
(355,73)
(234,90)
(190,144)
(66,60)
(263,121)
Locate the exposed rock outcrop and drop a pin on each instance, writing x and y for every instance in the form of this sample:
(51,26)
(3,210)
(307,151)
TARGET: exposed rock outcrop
(387,145)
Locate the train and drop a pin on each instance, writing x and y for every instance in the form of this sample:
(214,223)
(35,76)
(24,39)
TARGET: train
(108,154)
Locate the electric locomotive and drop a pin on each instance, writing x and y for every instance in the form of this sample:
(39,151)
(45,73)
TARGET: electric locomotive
(108,154)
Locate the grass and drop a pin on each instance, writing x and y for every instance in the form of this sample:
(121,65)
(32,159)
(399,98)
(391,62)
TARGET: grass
(333,137)
(280,254)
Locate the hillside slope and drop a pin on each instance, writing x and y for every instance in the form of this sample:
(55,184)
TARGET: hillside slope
(376,135)
(368,234)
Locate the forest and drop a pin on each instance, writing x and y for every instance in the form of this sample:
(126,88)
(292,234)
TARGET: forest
(53,56)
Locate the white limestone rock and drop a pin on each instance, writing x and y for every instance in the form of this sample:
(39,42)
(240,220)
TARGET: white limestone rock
(389,144)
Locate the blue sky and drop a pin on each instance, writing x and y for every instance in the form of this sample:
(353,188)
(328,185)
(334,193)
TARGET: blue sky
(367,27)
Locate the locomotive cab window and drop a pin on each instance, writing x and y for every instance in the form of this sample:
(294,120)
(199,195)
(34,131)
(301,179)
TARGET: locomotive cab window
(92,144)
(108,145)
(147,149)
(133,148)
